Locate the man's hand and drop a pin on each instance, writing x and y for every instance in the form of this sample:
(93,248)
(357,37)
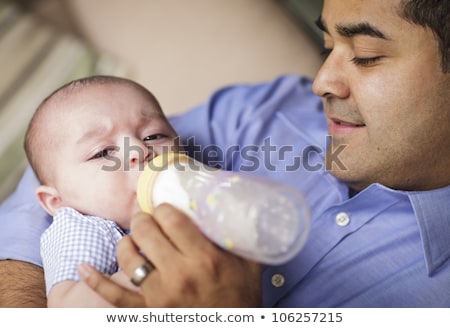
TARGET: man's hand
(190,271)
(21,285)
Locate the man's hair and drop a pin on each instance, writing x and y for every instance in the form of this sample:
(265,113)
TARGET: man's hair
(36,143)
(435,15)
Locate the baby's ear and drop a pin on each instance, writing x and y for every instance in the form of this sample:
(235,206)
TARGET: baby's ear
(49,199)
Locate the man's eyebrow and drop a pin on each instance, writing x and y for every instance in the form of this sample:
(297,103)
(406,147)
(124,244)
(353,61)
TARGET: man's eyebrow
(362,28)
(350,30)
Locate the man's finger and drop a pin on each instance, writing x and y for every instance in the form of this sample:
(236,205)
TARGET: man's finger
(148,237)
(130,259)
(109,290)
(182,231)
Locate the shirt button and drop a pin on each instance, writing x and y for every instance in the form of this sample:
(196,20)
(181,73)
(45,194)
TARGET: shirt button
(278,280)
(342,219)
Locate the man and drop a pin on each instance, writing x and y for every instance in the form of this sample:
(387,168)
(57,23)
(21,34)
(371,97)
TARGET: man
(379,203)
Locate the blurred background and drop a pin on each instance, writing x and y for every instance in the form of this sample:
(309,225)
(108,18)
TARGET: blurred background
(181,50)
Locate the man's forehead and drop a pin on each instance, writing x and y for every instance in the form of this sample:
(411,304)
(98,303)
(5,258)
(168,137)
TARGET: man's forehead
(362,9)
(360,17)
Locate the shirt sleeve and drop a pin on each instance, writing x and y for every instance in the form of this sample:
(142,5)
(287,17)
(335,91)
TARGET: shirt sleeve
(237,114)
(22,221)
(73,239)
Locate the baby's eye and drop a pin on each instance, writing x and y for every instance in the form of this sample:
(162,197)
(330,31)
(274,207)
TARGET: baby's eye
(103,153)
(155,137)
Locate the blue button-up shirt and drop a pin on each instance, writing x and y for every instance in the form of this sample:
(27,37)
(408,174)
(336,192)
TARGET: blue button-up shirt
(379,248)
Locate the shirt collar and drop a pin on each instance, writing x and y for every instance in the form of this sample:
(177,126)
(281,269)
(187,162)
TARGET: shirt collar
(432,210)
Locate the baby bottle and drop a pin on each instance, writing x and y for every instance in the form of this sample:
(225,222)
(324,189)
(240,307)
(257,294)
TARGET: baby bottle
(256,218)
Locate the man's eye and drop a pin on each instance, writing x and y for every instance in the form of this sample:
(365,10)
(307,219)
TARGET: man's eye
(103,153)
(154,137)
(366,61)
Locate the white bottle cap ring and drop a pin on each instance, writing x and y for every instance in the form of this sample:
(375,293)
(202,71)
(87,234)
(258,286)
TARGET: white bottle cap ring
(149,175)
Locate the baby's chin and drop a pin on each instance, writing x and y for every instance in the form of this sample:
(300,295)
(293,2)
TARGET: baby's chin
(124,219)
(123,222)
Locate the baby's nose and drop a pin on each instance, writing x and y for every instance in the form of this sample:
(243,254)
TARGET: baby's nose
(136,152)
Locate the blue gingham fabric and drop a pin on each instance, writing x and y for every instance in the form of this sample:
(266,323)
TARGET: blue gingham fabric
(74,238)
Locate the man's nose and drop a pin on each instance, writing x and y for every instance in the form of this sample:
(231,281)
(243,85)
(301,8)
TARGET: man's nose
(331,80)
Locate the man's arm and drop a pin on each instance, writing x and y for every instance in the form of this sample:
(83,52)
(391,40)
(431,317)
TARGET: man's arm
(21,285)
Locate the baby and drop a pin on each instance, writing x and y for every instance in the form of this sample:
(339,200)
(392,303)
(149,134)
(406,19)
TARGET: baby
(87,143)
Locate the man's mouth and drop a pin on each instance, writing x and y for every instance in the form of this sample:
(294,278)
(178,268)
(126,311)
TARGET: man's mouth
(343,123)
(338,126)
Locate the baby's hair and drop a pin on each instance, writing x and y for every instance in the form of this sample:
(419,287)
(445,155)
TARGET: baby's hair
(35,143)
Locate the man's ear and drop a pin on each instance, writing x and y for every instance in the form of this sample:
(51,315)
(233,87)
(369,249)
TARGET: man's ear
(49,199)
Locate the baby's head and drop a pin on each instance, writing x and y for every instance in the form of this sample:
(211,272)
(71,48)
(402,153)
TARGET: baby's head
(88,141)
